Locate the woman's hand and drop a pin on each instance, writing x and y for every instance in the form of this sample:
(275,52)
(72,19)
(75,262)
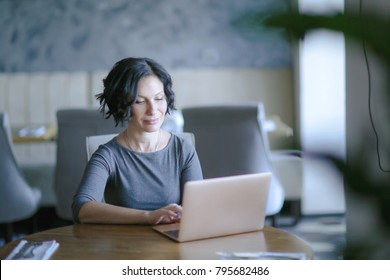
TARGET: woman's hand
(165,215)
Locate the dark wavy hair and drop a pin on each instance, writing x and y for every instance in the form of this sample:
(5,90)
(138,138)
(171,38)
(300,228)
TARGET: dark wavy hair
(121,87)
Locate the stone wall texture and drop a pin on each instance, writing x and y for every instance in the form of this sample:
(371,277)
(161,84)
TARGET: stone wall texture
(89,35)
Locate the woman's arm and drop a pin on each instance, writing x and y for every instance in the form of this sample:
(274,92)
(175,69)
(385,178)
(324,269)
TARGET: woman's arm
(192,169)
(99,212)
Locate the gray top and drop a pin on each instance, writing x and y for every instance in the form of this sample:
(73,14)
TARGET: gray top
(147,181)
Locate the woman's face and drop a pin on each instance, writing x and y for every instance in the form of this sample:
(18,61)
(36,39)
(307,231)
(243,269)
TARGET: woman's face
(150,107)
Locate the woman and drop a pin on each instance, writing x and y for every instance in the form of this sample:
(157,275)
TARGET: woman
(137,177)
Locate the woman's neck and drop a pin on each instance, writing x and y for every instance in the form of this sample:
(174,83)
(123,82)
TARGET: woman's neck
(145,142)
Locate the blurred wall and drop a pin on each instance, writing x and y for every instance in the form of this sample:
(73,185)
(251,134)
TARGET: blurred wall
(90,35)
(54,54)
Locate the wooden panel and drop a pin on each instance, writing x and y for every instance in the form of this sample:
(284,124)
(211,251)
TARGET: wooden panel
(58,89)
(3,92)
(37,107)
(224,86)
(67,90)
(78,89)
(18,99)
(38,114)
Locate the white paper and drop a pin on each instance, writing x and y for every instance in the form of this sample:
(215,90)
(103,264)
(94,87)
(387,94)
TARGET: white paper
(261,256)
(30,250)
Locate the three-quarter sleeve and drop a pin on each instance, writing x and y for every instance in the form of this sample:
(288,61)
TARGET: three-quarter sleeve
(93,182)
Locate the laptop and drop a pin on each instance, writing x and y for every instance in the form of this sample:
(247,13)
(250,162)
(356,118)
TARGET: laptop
(221,206)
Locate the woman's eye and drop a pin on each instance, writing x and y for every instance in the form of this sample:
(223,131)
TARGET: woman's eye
(139,102)
(160,98)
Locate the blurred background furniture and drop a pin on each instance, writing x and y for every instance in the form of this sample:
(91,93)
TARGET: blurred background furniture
(18,200)
(231,140)
(288,167)
(74,125)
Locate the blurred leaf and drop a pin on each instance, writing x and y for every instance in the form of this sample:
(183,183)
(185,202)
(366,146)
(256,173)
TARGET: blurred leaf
(373,30)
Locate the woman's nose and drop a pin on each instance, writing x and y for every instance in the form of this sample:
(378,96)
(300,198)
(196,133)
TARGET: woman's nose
(151,108)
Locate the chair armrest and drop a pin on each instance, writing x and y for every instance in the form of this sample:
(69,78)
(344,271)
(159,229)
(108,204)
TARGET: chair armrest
(41,176)
(288,167)
(296,153)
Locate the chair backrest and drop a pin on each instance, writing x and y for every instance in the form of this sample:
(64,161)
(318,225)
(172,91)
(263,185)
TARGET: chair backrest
(18,200)
(74,125)
(230,140)
(93,142)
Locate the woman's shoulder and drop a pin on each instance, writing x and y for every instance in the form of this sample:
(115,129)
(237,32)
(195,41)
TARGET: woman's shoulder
(184,138)
(183,143)
(109,148)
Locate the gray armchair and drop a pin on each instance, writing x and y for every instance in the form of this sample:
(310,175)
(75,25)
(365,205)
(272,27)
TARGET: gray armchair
(74,125)
(18,200)
(230,140)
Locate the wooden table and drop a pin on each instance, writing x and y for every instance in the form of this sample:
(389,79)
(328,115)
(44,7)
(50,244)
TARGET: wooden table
(130,242)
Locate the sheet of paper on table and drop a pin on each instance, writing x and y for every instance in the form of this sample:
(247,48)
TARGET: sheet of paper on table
(30,250)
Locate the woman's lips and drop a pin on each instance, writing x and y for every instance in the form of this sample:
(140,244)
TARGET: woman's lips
(151,122)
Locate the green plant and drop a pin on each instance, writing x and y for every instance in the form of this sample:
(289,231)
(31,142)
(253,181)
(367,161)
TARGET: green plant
(372,31)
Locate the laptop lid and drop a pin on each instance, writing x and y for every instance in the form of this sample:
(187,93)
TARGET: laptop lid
(221,206)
